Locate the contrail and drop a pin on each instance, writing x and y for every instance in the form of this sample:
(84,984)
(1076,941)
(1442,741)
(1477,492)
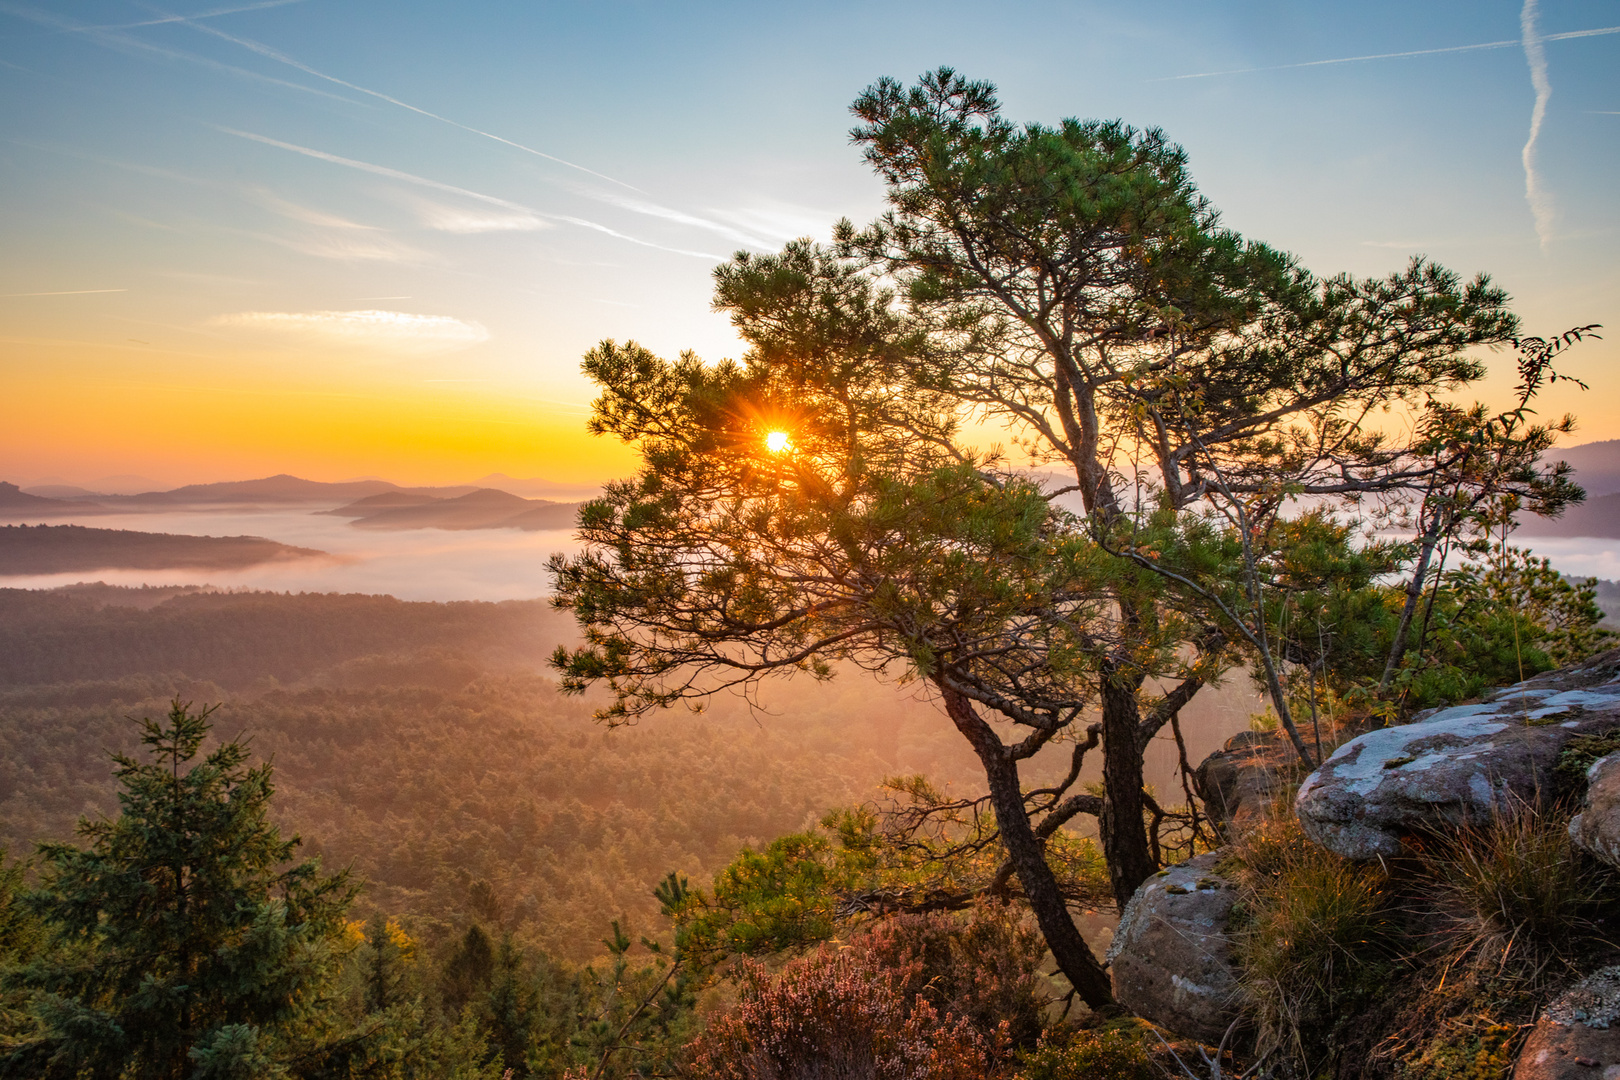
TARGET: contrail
(283,58)
(412,178)
(634,205)
(63,292)
(1508,44)
(114,40)
(216,13)
(1540,202)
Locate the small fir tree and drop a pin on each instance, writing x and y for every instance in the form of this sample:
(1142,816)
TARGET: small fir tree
(183,941)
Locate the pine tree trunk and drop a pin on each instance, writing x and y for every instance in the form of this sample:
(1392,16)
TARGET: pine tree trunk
(1123,826)
(1028,857)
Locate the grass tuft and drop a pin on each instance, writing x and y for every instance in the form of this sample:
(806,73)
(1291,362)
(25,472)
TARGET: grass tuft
(1314,941)
(1514,896)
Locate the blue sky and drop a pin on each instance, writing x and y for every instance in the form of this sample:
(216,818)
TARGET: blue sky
(297,250)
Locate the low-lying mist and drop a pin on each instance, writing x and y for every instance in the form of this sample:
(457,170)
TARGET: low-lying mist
(416,564)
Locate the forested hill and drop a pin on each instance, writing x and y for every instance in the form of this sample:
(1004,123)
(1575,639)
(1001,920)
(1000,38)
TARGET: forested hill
(423,744)
(66,549)
(237,639)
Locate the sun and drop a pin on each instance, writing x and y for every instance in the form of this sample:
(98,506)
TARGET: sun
(777,441)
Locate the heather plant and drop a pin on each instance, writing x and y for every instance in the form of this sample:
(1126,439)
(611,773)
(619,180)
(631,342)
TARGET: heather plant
(984,968)
(837,1014)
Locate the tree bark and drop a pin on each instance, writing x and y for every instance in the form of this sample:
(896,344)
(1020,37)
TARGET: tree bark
(1414,589)
(1028,856)
(1123,830)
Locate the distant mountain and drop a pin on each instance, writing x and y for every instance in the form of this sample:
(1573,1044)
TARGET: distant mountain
(1596,464)
(387,500)
(14,501)
(280,490)
(60,491)
(485,508)
(271,491)
(1598,517)
(62,549)
(538,487)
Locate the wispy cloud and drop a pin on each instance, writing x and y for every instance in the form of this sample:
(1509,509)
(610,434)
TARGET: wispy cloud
(492,200)
(351,247)
(457,219)
(388,331)
(1541,206)
(1505,44)
(271,201)
(282,58)
(63,292)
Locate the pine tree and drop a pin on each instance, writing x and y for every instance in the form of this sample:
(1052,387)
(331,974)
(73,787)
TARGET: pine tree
(183,940)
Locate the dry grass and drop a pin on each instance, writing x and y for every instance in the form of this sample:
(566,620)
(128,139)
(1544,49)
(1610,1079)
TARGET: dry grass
(1513,898)
(1314,943)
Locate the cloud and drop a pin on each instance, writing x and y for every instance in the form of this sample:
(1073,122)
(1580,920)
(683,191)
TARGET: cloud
(63,292)
(387,331)
(1541,206)
(458,219)
(352,247)
(270,200)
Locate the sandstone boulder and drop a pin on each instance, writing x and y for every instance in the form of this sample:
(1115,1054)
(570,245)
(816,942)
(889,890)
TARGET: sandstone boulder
(1596,828)
(1460,765)
(1171,959)
(1240,782)
(1574,1039)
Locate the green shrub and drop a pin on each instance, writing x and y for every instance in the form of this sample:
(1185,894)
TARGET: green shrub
(1114,1052)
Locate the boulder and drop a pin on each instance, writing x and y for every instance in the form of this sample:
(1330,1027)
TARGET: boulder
(1596,829)
(1171,959)
(1240,782)
(1457,766)
(1573,1038)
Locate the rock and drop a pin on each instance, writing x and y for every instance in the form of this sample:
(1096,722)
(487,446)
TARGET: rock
(1574,1037)
(1240,782)
(1596,829)
(1461,765)
(1171,960)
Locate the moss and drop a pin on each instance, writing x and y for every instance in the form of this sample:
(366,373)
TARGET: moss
(1112,1052)
(1472,1049)
(1578,755)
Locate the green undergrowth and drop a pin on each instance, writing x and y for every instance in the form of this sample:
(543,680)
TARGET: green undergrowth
(1115,1051)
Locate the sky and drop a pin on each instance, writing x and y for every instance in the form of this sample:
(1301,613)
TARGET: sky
(342,239)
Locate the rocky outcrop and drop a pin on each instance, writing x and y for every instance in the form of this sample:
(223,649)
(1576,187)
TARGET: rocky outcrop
(1596,829)
(1460,765)
(1573,1038)
(1171,959)
(1239,783)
